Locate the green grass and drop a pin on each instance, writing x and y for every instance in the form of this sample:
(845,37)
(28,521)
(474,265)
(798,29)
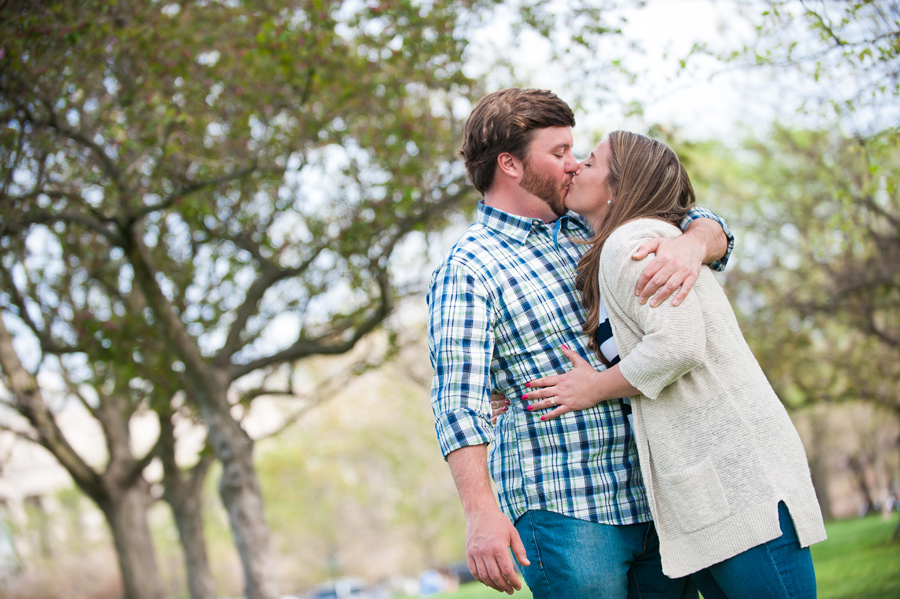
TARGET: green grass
(858,561)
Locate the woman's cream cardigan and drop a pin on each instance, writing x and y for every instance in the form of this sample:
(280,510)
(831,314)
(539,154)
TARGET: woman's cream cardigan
(717,449)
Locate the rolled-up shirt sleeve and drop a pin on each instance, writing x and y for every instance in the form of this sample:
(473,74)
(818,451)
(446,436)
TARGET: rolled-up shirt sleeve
(695,213)
(460,344)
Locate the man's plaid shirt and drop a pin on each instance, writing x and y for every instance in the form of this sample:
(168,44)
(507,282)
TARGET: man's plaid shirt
(500,306)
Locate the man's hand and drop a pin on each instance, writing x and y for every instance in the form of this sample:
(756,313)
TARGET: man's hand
(489,534)
(499,404)
(677,264)
(489,537)
(678,261)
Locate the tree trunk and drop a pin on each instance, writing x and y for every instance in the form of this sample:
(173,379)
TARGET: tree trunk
(817,463)
(127,518)
(121,493)
(185,496)
(189,520)
(239,489)
(857,467)
(208,386)
(896,536)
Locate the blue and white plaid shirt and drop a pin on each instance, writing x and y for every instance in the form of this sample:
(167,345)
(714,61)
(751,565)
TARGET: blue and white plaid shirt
(500,306)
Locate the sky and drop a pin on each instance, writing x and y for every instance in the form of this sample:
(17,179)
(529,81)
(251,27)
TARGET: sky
(708,99)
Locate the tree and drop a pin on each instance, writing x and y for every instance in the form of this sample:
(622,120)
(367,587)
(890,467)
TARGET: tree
(817,282)
(245,173)
(171,163)
(183,491)
(120,491)
(846,51)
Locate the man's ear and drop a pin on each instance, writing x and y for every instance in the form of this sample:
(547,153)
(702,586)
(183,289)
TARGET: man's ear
(510,166)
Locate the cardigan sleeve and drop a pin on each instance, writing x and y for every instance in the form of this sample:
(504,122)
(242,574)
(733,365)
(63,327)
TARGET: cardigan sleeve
(657,345)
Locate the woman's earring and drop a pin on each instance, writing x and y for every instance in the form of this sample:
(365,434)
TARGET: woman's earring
(609,202)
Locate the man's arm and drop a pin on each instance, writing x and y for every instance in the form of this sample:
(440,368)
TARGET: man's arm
(460,340)
(679,259)
(489,534)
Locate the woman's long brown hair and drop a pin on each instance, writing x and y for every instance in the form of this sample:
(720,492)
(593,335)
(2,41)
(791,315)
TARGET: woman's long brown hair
(646,180)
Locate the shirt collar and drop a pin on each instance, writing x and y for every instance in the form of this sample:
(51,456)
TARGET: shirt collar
(519,227)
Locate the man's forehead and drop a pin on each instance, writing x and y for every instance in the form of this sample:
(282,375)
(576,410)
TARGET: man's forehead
(552,137)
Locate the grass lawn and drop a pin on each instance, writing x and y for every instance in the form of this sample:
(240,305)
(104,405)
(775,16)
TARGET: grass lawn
(857,561)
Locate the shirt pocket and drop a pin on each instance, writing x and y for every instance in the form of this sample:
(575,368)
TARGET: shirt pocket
(696,495)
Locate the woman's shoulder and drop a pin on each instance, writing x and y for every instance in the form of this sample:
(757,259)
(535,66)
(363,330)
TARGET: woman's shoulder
(637,231)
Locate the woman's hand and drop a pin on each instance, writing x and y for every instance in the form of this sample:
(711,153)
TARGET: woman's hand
(578,389)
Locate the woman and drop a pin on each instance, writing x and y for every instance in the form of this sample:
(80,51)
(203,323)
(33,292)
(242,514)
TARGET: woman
(725,470)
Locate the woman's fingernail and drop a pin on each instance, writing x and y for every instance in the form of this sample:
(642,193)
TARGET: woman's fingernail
(527,384)
(543,417)
(565,348)
(527,408)
(507,401)
(525,396)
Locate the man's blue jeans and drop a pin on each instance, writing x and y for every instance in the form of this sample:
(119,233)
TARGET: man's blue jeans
(574,559)
(779,569)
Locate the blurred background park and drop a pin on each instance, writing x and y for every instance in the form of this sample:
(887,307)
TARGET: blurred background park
(218,219)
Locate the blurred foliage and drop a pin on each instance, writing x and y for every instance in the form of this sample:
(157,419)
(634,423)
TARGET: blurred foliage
(820,292)
(815,278)
(850,49)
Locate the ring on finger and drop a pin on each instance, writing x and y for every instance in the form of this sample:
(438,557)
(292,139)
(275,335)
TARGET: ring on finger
(552,401)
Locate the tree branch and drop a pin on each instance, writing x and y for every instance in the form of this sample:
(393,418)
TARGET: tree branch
(169,323)
(193,186)
(269,276)
(53,122)
(304,347)
(30,403)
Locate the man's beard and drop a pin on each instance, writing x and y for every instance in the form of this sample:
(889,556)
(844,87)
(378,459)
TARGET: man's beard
(544,187)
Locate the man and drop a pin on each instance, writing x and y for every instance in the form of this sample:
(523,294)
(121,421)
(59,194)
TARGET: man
(501,305)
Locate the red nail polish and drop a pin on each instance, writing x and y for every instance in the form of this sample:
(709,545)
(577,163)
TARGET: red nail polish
(542,417)
(527,408)
(565,348)
(525,396)
(527,384)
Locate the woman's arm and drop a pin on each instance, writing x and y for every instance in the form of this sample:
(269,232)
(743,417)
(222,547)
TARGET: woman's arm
(656,345)
(672,339)
(578,389)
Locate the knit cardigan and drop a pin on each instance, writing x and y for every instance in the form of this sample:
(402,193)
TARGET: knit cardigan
(717,449)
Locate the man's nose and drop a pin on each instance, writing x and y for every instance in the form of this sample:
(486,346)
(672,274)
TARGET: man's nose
(579,166)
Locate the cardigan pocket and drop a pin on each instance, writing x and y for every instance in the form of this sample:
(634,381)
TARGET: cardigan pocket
(696,496)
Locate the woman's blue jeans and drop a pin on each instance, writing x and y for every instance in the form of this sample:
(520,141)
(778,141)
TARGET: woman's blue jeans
(574,559)
(779,569)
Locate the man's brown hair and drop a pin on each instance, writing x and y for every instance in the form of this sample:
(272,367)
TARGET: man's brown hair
(505,121)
